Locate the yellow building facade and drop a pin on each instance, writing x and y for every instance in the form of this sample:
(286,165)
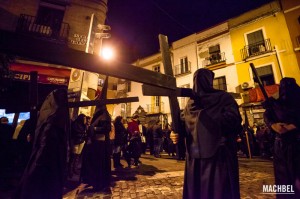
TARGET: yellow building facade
(261,37)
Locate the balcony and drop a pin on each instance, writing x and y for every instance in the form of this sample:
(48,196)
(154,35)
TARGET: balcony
(256,49)
(182,69)
(29,25)
(215,58)
(153,108)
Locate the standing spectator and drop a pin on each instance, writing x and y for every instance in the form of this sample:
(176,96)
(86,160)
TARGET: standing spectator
(157,138)
(44,174)
(212,121)
(78,138)
(283,117)
(133,127)
(171,148)
(134,140)
(143,131)
(120,133)
(96,161)
(149,137)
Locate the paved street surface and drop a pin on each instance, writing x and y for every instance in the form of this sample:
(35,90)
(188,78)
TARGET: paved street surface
(163,178)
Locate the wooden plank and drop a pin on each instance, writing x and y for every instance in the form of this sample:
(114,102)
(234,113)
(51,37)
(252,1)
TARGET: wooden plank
(102,101)
(54,53)
(174,105)
(149,90)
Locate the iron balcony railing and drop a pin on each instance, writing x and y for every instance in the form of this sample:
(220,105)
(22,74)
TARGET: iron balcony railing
(154,108)
(256,49)
(29,25)
(182,69)
(214,58)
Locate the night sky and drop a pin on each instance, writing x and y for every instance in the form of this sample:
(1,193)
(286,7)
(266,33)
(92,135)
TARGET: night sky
(135,24)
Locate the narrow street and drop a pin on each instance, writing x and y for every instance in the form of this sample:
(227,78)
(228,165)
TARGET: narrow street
(163,178)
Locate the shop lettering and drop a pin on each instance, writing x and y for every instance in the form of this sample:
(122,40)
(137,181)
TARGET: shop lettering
(22,76)
(78,39)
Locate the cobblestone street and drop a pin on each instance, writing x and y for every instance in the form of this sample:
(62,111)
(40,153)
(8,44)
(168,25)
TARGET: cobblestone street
(163,178)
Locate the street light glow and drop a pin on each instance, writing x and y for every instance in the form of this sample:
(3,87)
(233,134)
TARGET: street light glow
(107,53)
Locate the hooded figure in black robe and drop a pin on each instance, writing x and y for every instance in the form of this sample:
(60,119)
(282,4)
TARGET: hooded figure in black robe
(96,163)
(212,122)
(282,116)
(44,175)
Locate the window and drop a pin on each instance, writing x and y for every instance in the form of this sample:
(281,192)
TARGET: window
(220,83)
(184,65)
(156,68)
(256,42)
(214,54)
(255,37)
(266,75)
(51,15)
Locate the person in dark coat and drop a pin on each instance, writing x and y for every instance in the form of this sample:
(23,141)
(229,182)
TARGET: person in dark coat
(44,174)
(96,163)
(212,122)
(78,137)
(157,138)
(120,133)
(282,116)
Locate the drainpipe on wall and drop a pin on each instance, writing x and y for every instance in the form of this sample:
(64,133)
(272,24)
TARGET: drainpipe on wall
(197,61)
(278,60)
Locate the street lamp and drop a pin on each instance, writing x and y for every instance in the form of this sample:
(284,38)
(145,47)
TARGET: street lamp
(107,53)
(100,36)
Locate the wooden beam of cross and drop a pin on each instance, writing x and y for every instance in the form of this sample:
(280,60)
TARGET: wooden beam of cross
(102,101)
(42,50)
(172,94)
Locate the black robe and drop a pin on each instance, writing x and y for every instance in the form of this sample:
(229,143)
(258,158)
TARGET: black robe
(286,155)
(212,122)
(96,163)
(43,177)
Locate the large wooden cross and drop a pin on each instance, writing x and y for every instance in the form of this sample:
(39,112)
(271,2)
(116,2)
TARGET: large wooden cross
(53,53)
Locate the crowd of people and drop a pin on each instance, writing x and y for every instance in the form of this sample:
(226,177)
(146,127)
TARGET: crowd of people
(46,149)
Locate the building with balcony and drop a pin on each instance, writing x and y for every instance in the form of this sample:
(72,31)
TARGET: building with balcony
(48,24)
(291,10)
(261,36)
(227,49)
(215,53)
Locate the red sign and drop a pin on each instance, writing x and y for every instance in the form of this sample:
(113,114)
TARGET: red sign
(44,79)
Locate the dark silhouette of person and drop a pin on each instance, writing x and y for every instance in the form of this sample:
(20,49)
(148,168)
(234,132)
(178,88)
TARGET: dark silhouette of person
(282,116)
(78,138)
(120,132)
(96,162)
(157,138)
(44,175)
(134,148)
(212,122)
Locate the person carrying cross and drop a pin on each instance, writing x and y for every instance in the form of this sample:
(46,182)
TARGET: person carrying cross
(212,122)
